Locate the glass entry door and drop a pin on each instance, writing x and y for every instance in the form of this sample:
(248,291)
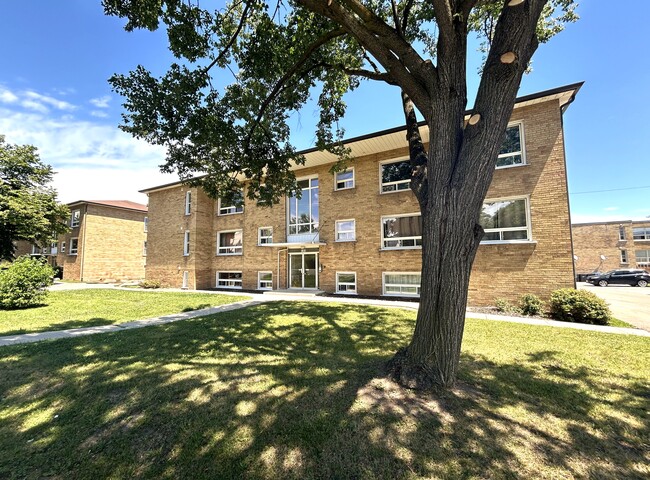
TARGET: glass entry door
(303,270)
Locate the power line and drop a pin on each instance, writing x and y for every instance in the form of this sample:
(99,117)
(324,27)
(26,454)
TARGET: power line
(610,190)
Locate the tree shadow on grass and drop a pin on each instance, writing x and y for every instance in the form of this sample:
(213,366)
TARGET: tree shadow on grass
(60,325)
(295,391)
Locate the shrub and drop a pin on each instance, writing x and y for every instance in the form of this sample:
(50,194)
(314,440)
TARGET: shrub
(530,304)
(571,305)
(504,306)
(23,283)
(150,284)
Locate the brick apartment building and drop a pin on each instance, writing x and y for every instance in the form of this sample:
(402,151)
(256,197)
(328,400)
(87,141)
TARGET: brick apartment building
(604,246)
(358,232)
(107,242)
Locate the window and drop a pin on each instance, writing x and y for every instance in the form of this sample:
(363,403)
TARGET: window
(76,218)
(36,250)
(229,243)
(188,202)
(506,220)
(229,279)
(621,233)
(345,230)
(303,211)
(642,258)
(74,246)
(344,180)
(265,280)
(404,284)
(512,153)
(264,235)
(346,282)
(53,248)
(401,231)
(186,279)
(623,256)
(642,233)
(236,205)
(146,224)
(186,243)
(62,247)
(395,176)
(144,249)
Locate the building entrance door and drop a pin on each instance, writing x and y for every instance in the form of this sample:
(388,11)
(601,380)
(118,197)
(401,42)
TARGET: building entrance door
(303,270)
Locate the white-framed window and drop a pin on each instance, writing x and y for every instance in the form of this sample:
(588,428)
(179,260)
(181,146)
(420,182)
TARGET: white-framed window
(344,180)
(395,176)
(401,283)
(621,233)
(345,230)
(641,233)
(264,235)
(642,258)
(186,279)
(265,280)
(53,248)
(146,224)
(62,247)
(75,218)
(188,202)
(36,250)
(346,282)
(74,246)
(506,220)
(303,211)
(186,243)
(229,242)
(623,256)
(229,279)
(144,248)
(401,231)
(230,208)
(512,153)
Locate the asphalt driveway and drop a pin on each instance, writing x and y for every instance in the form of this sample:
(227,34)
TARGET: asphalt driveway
(630,304)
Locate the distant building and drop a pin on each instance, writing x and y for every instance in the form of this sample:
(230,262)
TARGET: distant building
(107,242)
(359,231)
(603,246)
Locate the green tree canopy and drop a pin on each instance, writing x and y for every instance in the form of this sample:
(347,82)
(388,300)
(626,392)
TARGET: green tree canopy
(28,206)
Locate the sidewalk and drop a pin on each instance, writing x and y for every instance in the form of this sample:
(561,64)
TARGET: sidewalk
(257,299)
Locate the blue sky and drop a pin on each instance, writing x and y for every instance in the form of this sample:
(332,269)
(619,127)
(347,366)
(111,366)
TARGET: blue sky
(57,56)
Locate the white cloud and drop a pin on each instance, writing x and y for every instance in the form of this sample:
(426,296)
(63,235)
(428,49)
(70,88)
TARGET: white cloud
(611,209)
(92,161)
(47,100)
(6,96)
(99,114)
(101,102)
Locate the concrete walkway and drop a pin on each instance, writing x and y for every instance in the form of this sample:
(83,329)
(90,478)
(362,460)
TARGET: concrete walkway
(257,299)
(630,304)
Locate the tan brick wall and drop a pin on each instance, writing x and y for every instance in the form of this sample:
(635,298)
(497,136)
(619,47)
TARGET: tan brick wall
(591,240)
(72,263)
(505,270)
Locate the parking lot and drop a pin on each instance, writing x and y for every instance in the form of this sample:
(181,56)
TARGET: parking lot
(630,304)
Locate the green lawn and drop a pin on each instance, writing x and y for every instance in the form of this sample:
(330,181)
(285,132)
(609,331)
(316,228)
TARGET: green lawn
(295,390)
(92,307)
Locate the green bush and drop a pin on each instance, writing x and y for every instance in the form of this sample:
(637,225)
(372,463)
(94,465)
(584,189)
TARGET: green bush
(23,283)
(504,306)
(150,284)
(530,304)
(581,306)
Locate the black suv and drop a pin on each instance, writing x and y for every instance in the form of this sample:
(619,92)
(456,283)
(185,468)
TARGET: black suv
(639,278)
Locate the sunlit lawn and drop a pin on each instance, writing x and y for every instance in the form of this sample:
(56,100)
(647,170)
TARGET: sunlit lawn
(295,390)
(88,308)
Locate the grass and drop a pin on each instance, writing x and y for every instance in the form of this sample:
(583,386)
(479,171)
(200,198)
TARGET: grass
(615,322)
(88,308)
(295,390)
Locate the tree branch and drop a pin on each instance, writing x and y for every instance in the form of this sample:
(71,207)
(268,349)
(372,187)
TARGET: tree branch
(225,50)
(417,153)
(444,17)
(360,72)
(396,20)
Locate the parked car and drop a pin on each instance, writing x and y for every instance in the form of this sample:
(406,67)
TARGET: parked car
(639,278)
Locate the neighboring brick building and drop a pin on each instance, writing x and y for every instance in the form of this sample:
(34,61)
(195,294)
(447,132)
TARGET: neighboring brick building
(604,246)
(107,242)
(359,231)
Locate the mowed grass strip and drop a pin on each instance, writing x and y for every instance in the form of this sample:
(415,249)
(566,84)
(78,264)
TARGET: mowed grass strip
(295,390)
(92,307)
